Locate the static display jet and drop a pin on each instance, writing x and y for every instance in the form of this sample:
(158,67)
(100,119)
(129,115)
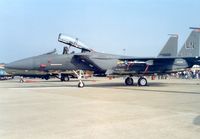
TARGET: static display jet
(110,64)
(169,49)
(45,65)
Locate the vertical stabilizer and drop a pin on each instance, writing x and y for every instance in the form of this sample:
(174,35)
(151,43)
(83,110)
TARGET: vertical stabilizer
(170,48)
(191,46)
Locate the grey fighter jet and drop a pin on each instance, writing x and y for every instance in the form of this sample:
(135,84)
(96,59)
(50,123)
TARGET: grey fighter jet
(49,62)
(169,49)
(109,64)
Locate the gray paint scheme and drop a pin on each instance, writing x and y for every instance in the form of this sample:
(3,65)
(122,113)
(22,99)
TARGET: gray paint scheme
(170,48)
(101,62)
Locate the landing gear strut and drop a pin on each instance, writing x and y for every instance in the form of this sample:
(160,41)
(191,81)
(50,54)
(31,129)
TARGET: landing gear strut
(21,80)
(79,76)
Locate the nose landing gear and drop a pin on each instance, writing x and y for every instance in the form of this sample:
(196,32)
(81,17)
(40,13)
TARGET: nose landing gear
(81,84)
(80,75)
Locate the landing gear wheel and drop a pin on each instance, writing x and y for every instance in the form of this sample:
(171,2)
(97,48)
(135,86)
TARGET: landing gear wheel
(129,81)
(64,78)
(142,81)
(81,84)
(67,78)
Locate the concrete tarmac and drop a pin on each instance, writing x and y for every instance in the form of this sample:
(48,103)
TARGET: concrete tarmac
(104,109)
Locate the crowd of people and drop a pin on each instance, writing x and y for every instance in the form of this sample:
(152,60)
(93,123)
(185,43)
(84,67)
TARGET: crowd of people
(189,74)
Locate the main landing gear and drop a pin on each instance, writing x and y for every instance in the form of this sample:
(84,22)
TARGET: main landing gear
(129,81)
(141,81)
(64,78)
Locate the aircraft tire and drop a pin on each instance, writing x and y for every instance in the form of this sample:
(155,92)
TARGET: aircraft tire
(67,78)
(64,78)
(142,81)
(129,81)
(81,84)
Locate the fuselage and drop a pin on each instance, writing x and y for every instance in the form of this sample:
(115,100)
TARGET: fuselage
(67,62)
(101,62)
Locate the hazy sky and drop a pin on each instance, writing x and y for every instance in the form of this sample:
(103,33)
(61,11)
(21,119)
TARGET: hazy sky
(31,27)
